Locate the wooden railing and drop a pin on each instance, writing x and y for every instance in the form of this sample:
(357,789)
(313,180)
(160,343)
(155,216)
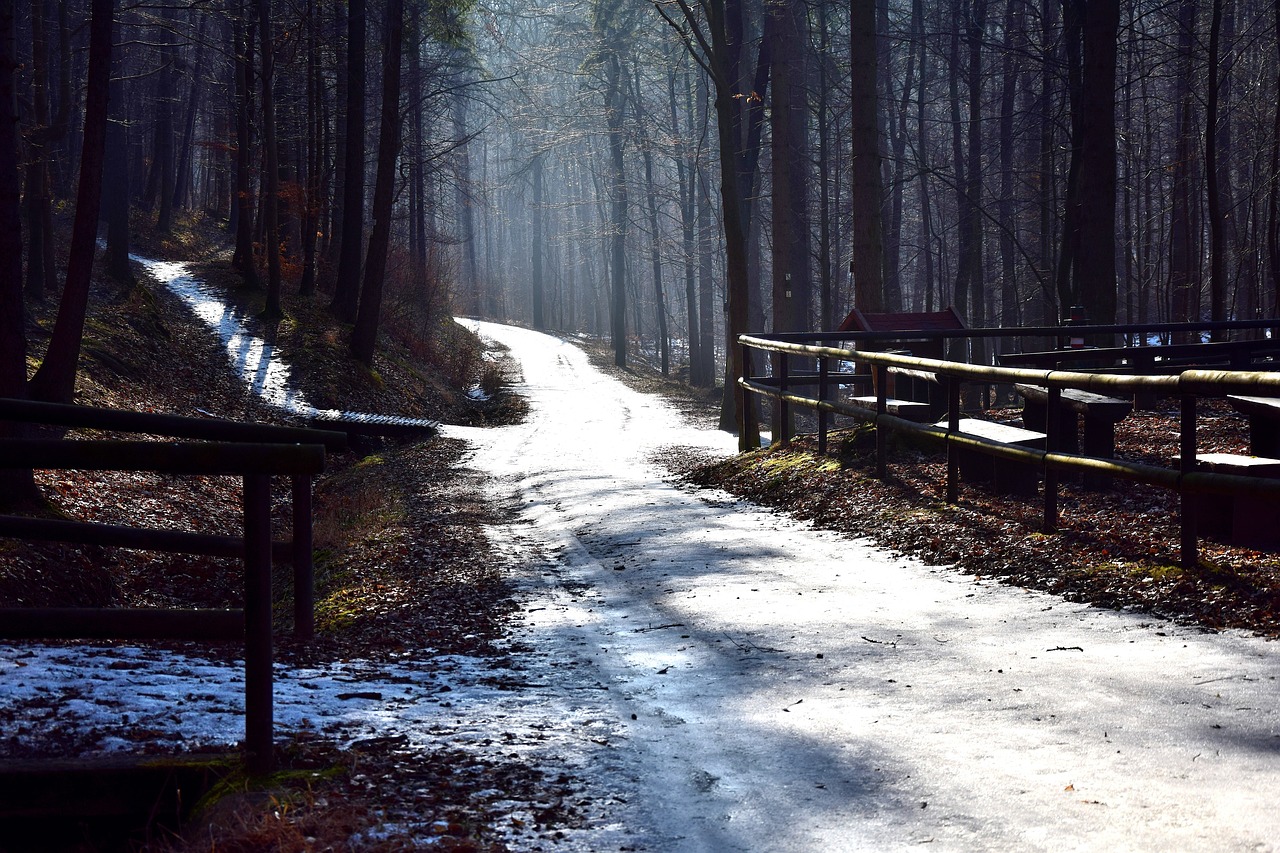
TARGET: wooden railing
(1188,387)
(254,452)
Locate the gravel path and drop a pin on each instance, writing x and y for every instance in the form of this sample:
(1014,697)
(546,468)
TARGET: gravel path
(772,687)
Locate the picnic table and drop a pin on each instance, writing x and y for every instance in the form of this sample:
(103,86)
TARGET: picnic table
(1100,415)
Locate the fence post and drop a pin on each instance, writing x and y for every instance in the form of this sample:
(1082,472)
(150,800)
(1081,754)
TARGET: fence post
(257,623)
(1053,431)
(822,413)
(1186,464)
(304,597)
(882,406)
(953,450)
(784,408)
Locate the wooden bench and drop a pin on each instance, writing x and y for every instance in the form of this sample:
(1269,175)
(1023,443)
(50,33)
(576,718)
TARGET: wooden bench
(1249,520)
(1101,414)
(908,410)
(1006,475)
(1264,422)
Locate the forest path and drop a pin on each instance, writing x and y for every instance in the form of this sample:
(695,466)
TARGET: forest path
(773,687)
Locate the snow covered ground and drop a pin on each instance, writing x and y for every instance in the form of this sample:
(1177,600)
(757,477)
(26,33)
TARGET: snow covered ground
(726,680)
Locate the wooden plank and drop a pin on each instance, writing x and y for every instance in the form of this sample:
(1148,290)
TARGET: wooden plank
(104,786)
(1085,402)
(1003,433)
(910,410)
(119,623)
(174,426)
(139,538)
(162,456)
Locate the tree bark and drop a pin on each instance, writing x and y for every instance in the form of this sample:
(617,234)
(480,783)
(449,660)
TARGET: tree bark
(786,28)
(364,335)
(242,213)
(271,165)
(55,380)
(867,231)
(346,292)
(16,485)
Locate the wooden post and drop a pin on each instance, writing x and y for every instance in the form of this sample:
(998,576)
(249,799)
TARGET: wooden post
(257,624)
(1186,464)
(822,413)
(784,408)
(953,451)
(1053,439)
(882,406)
(304,597)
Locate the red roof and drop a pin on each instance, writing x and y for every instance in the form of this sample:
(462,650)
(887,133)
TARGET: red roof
(921,321)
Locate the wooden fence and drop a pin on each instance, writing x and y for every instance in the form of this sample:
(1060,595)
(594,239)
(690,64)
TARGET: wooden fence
(254,452)
(1188,387)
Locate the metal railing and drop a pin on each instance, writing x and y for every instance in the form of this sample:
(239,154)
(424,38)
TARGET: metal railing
(254,452)
(1188,387)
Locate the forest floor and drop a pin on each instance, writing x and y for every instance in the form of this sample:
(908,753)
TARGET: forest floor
(403,558)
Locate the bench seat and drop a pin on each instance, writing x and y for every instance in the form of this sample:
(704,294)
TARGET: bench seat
(908,410)
(1100,414)
(1005,475)
(1248,520)
(1264,422)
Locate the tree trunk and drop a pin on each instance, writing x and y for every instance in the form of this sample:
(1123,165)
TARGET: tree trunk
(182,177)
(243,260)
(1095,253)
(55,380)
(364,336)
(618,203)
(166,92)
(116,185)
(867,231)
(346,292)
(539,319)
(685,167)
(17,486)
(1214,174)
(786,28)
(271,166)
(1184,265)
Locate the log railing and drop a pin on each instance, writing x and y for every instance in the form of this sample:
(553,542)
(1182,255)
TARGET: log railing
(1188,387)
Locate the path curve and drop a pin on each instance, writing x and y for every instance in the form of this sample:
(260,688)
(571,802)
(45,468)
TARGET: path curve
(773,687)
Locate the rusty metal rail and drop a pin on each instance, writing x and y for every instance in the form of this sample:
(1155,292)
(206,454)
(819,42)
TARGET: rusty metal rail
(254,452)
(1188,387)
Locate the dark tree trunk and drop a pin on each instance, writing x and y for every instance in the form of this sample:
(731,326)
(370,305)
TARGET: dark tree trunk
(182,176)
(614,108)
(1184,263)
(17,486)
(364,336)
(166,91)
(539,317)
(787,31)
(707,309)
(1214,175)
(1095,253)
(313,159)
(346,293)
(867,226)
(686,168)
(115,187)
(271,166)
(55,380)
(242,203)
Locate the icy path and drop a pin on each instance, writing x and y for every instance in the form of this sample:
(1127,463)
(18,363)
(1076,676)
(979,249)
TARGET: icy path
(779,688)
